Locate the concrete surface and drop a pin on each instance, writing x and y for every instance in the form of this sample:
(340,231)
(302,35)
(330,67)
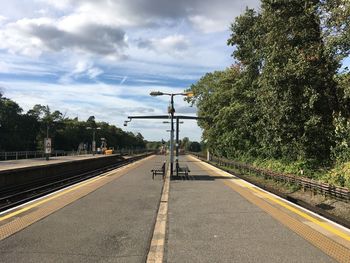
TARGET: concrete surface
(209,222)
(113,224)
(15,164)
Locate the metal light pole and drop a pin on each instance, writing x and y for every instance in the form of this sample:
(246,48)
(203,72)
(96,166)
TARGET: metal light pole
(177,146)
(176,143)
(171,110)
(93,138)
(164,117)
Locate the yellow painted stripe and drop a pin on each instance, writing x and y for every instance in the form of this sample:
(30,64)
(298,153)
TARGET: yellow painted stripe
(26,208)
(324,225)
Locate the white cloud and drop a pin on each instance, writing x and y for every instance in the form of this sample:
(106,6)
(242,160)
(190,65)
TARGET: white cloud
(103,101)
(139,46)
(94,72)
(61,4)
(81,68)
(173,45)
(174,42)
(2,19)
(34,36)
(208,25)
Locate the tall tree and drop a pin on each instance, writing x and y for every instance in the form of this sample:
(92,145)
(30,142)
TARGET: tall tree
(335,15)
(297,91)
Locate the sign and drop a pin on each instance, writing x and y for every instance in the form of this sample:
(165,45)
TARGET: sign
(47,145)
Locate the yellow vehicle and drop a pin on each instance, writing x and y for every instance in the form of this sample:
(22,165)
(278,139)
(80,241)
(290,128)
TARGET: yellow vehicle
(110,151)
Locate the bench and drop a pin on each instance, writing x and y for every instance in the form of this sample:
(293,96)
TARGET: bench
(160,169)
(184,170)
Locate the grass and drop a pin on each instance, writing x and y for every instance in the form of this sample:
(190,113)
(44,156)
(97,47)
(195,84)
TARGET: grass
(339,175)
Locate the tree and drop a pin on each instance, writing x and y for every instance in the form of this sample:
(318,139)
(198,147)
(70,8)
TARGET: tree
(10,120)
(185,143)
(335,15)
(297,91)
(50,123)
(195,147)
(279,99)
(20,131)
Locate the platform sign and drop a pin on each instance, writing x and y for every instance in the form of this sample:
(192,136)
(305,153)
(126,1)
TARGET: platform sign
(93,146)
(47,143)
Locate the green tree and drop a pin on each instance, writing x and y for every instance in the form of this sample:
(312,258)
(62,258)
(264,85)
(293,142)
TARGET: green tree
(10,120)
(195,147)
(278,101)
(297,91)
(335,15)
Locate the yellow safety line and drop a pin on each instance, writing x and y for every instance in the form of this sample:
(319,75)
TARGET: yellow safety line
(323,225)
(298,212)
(47,199)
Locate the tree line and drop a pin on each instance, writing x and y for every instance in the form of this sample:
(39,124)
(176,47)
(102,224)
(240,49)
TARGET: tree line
(21,131)
(286,96)
(184,145)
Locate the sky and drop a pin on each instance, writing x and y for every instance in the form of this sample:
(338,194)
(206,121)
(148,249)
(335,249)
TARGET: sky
(104,57)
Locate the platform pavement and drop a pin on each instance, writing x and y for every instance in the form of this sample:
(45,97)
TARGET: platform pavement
(23,163)
(112,224)
(209,222)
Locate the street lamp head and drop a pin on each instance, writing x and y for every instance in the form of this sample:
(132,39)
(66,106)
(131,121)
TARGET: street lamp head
(88,128)
(156,93)
(98,128)
(126,122)
(188,94)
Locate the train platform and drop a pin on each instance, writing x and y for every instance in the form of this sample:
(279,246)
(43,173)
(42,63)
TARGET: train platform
(106,219)
(25,163)
(209,216)
(215,217)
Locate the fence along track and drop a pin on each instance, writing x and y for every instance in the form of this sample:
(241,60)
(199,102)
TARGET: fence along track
(340,193)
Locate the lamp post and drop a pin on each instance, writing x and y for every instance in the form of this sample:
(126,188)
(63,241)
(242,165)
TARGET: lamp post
(176,144)
(171,111)
(93,138)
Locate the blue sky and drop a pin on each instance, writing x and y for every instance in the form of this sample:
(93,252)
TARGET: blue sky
(103,57)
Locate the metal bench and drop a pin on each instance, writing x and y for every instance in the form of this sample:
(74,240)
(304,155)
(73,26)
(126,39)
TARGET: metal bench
(183,170)
(160,169)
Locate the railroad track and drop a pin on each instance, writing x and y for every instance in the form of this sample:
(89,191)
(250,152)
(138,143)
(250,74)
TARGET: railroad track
(15,196)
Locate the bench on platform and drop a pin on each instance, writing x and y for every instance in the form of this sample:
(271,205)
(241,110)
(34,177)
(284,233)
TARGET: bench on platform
(183,170)
(158,169)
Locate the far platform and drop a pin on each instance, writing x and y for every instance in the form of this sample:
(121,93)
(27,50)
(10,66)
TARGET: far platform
(24,163)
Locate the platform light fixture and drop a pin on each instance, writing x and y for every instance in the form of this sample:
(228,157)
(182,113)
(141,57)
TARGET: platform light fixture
(171,111)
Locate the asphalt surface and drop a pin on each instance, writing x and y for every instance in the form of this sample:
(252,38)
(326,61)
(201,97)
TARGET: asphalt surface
(113,224)
(209,222)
